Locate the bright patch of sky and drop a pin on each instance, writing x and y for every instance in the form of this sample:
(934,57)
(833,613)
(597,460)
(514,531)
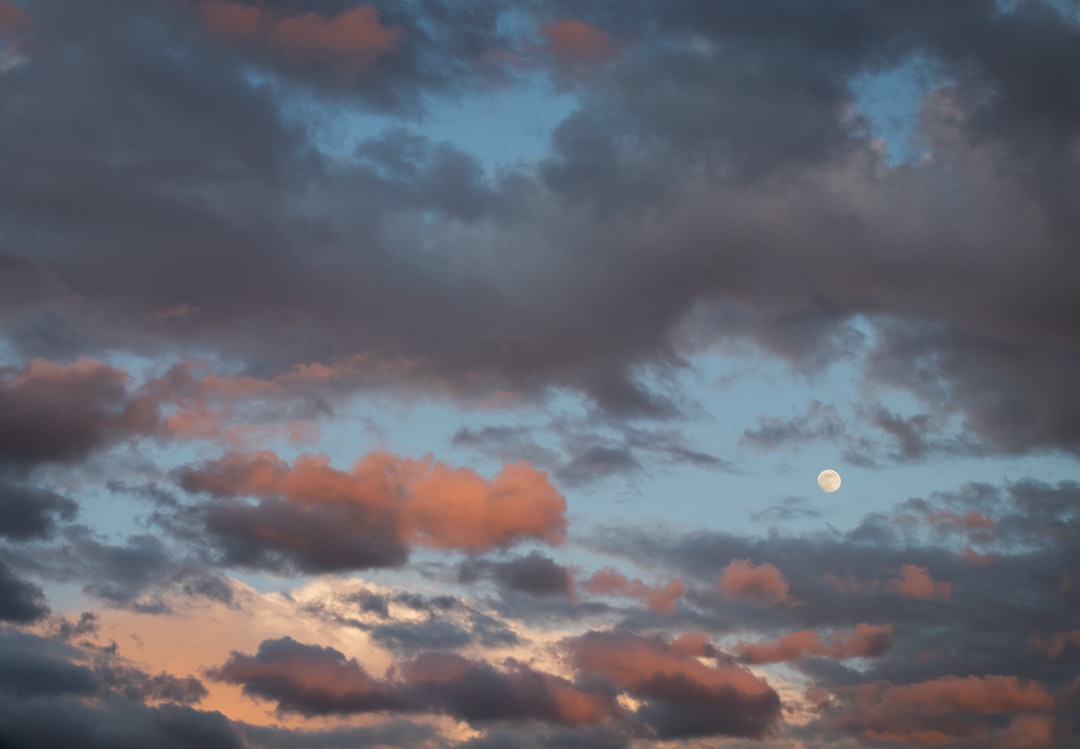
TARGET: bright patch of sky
(890,101)
(502,126)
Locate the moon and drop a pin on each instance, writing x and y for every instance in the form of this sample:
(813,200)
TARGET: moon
(828,480)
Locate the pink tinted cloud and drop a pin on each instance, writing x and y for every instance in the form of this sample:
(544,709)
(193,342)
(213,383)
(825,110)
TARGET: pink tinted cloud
(939,711)
(682,696)
(693,644)
(1026,731)
(455,682)
(977,559)
(574,41)
(59,412)
(916,582)
(608,582)
(1057,643)
(865,641)
(354,38)
(428,503)
(764,583)
(648,666)
(12,17)
(236,410)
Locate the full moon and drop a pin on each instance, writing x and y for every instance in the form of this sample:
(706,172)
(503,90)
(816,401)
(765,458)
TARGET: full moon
(828,480)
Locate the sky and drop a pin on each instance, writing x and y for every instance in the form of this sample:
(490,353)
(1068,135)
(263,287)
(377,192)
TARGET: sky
(448,374)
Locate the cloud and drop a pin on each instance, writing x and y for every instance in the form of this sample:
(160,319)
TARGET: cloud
(314,680)
(915,581)
(689,130)
(51,412)
(307,679)
(20,600)
(608,582)
(1055,644)
(682,697)
(29,513)
(763,583)
(865,641)
(533,574)
(477,692)
(819,422)
(319,518)
(12,17)
(574,41)
(944,710)
(355,38)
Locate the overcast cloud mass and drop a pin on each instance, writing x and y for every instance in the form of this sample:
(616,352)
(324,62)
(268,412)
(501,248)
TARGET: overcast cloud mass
(456,373)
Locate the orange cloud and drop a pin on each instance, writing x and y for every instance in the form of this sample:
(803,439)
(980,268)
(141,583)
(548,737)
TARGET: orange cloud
(764,583)
(865,641)
(941,710)
(608,582)
(915,582)
(355,37)
(690,698)
(575,41)
(635,662)
(423,501)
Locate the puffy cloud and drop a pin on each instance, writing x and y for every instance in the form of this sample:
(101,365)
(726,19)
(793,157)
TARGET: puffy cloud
(608,582)
(915,582)
(534,574)
(763,583)
(682,697)
(320,518)
(308,679)
(20,600)
(315,680)
(52,412)
(478,692)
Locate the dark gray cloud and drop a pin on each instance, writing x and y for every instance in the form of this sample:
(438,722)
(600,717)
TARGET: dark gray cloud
(819,422)
(267,536)
(308,679)
(137,573)
(62,413)
(314,680)
(113,724)
(534,574)
(20,600)
(777,221)
(28,513)
(441,622)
